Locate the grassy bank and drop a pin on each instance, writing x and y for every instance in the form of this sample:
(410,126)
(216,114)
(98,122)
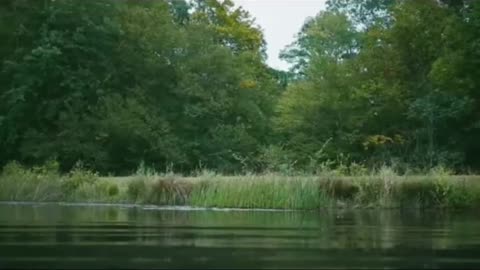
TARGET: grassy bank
(383,189)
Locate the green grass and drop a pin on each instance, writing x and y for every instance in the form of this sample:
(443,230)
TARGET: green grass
(382,189)
(45,184)
(263,191)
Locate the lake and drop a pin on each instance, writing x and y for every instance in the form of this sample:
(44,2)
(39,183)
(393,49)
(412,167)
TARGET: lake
(84,236)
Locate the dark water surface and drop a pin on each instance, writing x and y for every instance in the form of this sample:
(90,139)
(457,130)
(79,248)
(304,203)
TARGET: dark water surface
(64,236)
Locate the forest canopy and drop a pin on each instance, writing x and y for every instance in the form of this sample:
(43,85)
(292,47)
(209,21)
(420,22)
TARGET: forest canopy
(185,85)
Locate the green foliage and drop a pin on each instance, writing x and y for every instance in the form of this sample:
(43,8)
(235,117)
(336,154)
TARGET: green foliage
(38,184)
(381,189)
(184,85)
(145,171)
(78,178)
(267,191)
(363,12)
(136,190)
(45,184)
(274,158)
(113,190)
(388,76)
(166,82)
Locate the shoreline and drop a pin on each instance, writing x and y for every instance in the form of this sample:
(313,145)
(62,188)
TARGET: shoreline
(247,192)
(148,207)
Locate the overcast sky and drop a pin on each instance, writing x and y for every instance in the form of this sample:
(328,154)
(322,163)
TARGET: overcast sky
(280,20)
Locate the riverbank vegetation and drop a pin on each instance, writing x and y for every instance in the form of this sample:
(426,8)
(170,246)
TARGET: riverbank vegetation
(380,95)
(184,85)
(328,189)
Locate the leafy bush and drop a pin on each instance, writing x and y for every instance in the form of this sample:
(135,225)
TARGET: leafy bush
(137,190)
(38,184)
(274,158)
(113,190)
(77,178)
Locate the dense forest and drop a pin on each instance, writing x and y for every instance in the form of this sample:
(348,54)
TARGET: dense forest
(183,85)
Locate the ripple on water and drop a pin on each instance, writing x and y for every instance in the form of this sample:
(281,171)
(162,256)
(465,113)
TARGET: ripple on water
(92,236)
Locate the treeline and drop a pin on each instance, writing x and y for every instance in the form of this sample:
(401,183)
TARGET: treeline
(184,85)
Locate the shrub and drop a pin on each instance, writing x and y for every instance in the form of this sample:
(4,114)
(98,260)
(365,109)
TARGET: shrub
(76,178)
(137,190)
(90,192)
(113,190)
(37,184)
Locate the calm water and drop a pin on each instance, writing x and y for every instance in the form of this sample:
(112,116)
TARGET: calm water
(62,236)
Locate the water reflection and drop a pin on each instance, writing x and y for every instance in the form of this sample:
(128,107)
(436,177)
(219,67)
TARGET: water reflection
(58,236)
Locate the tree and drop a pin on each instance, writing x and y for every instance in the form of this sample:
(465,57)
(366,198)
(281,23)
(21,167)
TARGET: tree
(380,85)
(364,13)
(53,71)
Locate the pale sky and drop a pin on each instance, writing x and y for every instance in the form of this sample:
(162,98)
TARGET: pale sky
(280,20)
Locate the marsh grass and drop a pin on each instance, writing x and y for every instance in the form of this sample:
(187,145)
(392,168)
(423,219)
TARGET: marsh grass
(46,184)
(380,189)
(37,184)
(267,191)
